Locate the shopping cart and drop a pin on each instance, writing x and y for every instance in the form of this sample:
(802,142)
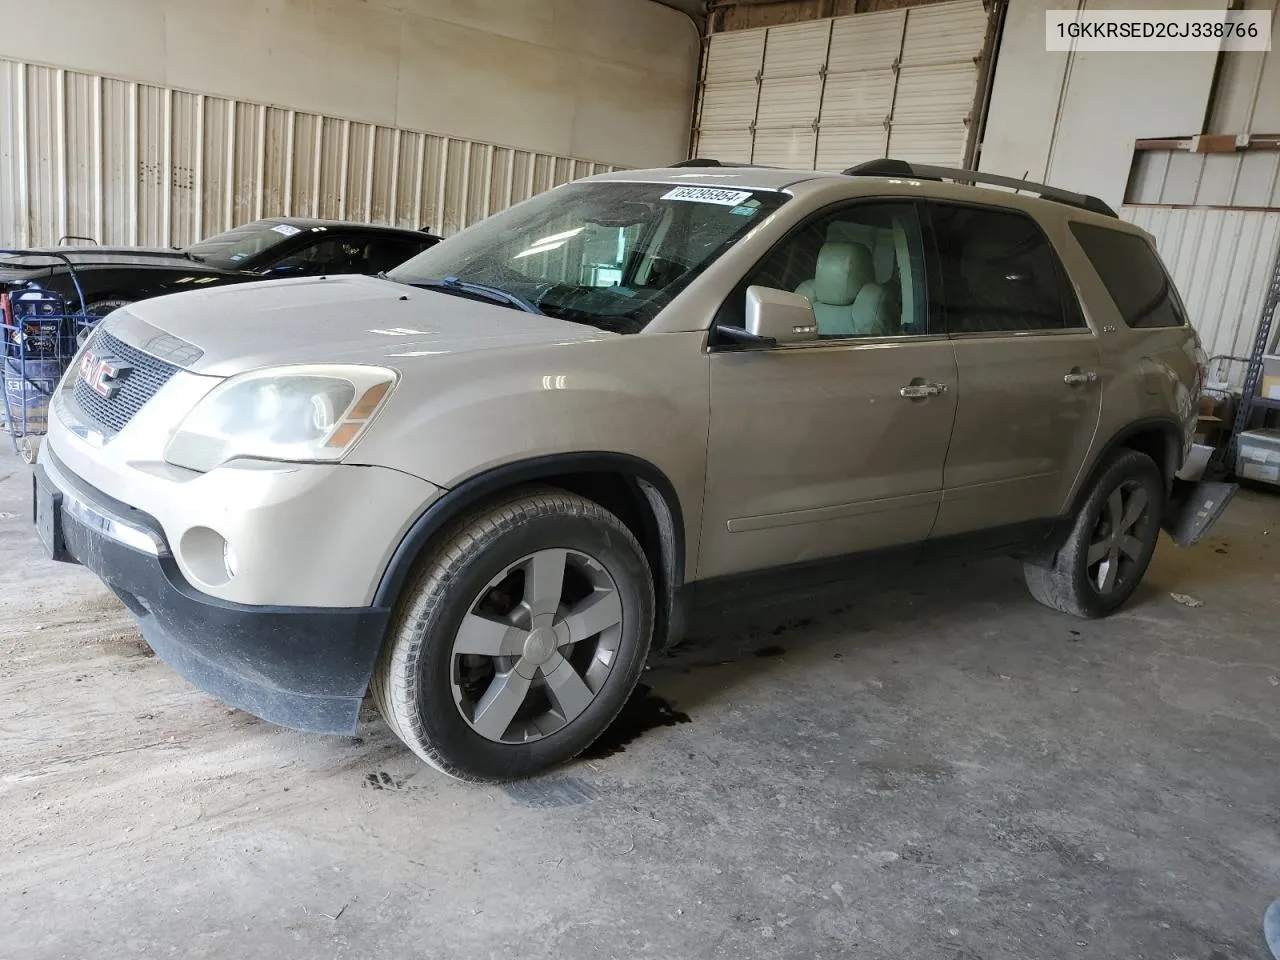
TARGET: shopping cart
(41,335)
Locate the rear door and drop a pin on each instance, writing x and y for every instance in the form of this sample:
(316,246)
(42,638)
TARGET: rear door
(815,450)
(1029,371)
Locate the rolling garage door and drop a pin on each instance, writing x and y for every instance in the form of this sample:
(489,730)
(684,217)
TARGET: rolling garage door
(831,93)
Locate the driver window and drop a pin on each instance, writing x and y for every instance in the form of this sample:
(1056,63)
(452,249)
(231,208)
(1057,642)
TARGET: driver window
(861,266)
(330,255)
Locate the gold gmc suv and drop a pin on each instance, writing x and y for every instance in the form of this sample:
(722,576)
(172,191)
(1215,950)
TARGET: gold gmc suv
(486,485)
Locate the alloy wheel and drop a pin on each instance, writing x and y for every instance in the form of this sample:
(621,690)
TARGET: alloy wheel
(536,645)
(1120,538)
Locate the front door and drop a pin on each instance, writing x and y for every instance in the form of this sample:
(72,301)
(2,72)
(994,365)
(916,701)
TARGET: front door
(815,450)
(1028,367)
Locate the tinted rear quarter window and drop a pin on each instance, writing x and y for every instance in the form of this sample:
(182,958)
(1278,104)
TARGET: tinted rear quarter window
(1133,275)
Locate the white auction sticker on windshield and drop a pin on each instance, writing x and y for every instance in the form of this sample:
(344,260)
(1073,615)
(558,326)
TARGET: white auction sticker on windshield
(726,198)
(287,229)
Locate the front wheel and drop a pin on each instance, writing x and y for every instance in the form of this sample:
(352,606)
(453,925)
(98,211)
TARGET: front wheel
(520,639)
(1111,542)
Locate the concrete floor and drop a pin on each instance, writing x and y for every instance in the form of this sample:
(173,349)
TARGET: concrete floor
(944,770)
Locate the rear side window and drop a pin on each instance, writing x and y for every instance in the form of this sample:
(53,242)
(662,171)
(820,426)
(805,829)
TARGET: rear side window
(999,273)
(386,253)
(1133,275)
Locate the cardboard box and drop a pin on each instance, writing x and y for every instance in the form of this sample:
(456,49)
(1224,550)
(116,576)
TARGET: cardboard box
(1270,377)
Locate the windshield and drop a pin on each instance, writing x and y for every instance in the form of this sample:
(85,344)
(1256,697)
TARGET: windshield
(604,253)
(236,248)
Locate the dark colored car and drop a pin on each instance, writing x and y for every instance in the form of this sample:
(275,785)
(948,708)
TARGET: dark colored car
(110,277)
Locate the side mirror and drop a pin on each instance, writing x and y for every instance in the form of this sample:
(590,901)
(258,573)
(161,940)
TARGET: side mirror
(780,316)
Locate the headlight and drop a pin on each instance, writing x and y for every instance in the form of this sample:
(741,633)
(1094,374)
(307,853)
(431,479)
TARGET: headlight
(303,413)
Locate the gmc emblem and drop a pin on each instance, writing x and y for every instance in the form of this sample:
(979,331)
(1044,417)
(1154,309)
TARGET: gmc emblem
(102,374)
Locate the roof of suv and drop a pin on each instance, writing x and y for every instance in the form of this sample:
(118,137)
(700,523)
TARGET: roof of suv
(956,184)
(746,177)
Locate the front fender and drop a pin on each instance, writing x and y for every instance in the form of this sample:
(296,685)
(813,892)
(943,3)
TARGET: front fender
(458,416)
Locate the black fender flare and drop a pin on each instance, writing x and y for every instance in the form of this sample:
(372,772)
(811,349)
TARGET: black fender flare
(656,501)
(1172,463)
(1043,553)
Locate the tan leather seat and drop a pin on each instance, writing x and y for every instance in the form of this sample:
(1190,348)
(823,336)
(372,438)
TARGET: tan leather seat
(847,301)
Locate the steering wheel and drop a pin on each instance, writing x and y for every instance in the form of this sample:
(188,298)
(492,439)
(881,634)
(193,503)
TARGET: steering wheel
(663,270)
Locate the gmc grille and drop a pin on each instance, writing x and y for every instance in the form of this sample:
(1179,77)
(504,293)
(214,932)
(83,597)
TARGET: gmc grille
(145,378)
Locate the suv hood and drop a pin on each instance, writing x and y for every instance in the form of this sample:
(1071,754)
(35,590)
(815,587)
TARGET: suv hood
(329,320)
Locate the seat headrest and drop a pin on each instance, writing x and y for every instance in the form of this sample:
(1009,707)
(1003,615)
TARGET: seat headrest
(843,269)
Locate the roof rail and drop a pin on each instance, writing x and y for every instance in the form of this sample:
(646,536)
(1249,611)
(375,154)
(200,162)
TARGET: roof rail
(888,167)
(710,162)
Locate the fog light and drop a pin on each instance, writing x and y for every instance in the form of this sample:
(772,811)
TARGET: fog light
(207,556)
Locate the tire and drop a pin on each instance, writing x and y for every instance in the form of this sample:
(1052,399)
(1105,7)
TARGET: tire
(479,590)
(29,449)
(100,308)
(1097,570)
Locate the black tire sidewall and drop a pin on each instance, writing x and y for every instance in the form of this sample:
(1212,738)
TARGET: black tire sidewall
(94,308)
(458,744)
(1130,465)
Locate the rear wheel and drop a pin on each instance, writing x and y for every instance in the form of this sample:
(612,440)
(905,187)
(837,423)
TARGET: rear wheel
(1111,542)
(520,640)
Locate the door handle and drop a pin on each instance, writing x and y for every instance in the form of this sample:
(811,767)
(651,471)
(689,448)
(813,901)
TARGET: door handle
(919,391)
(1077,378)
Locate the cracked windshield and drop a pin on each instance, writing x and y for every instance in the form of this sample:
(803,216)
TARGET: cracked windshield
(606,254)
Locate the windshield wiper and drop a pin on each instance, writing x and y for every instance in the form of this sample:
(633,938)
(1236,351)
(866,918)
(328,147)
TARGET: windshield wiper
(191,256)
(494,294)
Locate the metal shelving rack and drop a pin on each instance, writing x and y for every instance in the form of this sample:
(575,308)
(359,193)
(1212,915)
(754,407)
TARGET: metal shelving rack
(1249,398)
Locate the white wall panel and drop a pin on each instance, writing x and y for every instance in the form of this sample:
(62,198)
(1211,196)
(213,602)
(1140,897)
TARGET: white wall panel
(730,94)
(792,148)
(1221,261)
(728,145)
(832,93)
(1071,119)
(1247,99)
(127,163)
(944,33)
(730,106)
(214,170)
(13,125)
(734,57)
(612,80)
(841,147)
(789,102)
(869,41)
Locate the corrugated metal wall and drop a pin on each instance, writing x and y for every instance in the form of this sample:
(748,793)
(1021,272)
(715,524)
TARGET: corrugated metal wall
(132,163)
(1250,178)
(1221,259)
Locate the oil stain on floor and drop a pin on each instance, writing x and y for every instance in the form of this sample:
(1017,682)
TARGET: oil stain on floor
(644,711)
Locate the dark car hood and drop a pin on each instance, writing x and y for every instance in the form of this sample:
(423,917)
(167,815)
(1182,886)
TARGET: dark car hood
(44,258)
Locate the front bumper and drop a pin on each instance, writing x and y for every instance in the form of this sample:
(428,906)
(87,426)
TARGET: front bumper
(301,667)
